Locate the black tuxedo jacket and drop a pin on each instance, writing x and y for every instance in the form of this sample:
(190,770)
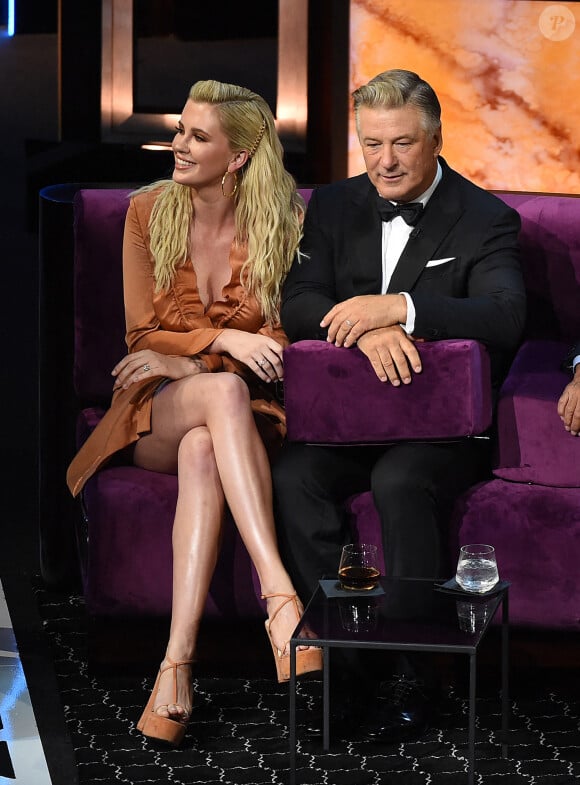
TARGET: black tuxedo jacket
(477,291)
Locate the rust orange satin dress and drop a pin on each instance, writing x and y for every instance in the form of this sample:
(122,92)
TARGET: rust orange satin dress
(174,322)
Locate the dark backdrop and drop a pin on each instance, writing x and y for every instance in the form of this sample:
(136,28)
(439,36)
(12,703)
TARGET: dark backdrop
(49,133)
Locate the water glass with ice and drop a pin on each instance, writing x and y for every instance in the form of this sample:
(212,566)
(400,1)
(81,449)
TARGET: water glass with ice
(477,568)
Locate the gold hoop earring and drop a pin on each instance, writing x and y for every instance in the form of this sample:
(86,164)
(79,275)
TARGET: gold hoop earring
(233,192)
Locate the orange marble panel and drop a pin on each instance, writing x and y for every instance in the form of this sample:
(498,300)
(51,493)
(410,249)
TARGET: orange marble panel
(507,73)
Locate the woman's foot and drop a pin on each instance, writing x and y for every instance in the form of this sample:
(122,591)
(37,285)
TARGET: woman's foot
(283,617)
(167,712)
(287,610)
(174,697)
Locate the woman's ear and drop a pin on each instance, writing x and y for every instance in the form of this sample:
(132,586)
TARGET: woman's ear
(238,160)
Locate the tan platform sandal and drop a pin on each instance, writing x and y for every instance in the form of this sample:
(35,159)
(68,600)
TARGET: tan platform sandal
(153,724)
(307,660)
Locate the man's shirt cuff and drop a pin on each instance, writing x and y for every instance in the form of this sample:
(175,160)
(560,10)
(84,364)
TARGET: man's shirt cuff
(409,325)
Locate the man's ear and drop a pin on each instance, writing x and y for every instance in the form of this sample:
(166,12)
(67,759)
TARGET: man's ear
(438,142)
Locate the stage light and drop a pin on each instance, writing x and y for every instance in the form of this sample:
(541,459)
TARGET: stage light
(11,15)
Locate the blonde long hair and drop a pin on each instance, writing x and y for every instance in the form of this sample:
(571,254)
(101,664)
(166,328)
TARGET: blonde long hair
(268,209)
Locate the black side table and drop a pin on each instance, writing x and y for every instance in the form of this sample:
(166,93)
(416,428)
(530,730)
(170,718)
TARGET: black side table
(409,615)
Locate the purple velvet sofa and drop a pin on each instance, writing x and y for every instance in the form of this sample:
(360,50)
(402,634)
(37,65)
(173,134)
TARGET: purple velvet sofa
(530,510)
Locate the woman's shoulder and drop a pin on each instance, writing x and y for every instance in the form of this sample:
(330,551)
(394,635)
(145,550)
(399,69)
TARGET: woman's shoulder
(141,203)
(145,197)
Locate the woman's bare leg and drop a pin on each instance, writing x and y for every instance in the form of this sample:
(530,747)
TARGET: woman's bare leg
(196,536)
(245,475)
(221,403)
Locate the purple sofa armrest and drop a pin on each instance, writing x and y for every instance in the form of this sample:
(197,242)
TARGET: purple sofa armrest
(99,313)
(533,446)
(333,396)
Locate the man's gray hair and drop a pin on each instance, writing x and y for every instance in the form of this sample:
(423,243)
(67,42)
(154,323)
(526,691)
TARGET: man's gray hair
(396,88)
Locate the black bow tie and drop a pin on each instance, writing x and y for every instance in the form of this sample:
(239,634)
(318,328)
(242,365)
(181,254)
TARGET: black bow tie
(410,212)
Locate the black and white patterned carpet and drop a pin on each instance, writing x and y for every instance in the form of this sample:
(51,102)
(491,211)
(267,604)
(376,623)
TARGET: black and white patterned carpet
(239,729)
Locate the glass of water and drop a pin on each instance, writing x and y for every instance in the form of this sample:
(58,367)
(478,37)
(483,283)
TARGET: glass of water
(477,568)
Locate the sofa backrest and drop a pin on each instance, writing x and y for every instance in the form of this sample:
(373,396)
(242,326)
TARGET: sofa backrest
(99,315)
(550,241)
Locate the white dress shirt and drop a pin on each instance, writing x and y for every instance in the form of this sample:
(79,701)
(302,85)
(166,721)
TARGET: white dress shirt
(395,236)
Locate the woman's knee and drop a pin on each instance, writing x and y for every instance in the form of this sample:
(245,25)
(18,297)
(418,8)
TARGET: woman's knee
(229,391)
(214,390)
(196,449)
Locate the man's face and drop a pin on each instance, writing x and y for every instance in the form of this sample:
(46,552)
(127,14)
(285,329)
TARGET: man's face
(400,155)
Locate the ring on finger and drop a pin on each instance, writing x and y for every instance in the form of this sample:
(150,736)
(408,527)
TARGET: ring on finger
(348,322)
(261,362)
(146,367)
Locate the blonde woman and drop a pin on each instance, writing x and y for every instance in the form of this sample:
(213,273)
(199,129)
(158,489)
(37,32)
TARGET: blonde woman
(204,258)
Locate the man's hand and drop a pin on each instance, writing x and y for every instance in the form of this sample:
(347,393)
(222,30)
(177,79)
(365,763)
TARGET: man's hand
(392,354)
(348,320)
(569,405)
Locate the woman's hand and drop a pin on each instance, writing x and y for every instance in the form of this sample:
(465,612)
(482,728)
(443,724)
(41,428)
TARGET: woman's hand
(147,364)
(263,355)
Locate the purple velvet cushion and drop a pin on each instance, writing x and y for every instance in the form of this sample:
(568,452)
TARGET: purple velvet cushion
(532,444)
(130,518)
(99,220)
(536,534)
(550,243)
(333,396)
(129,513)
(129,572)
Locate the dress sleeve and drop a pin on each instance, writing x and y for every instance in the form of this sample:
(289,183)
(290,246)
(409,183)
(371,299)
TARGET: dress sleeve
(276,332)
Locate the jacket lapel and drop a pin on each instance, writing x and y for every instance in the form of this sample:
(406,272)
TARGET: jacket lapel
(364,249)
(441,214)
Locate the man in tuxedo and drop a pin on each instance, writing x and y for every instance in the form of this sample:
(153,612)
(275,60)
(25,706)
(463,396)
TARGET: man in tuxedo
(409,251)
(569,402)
